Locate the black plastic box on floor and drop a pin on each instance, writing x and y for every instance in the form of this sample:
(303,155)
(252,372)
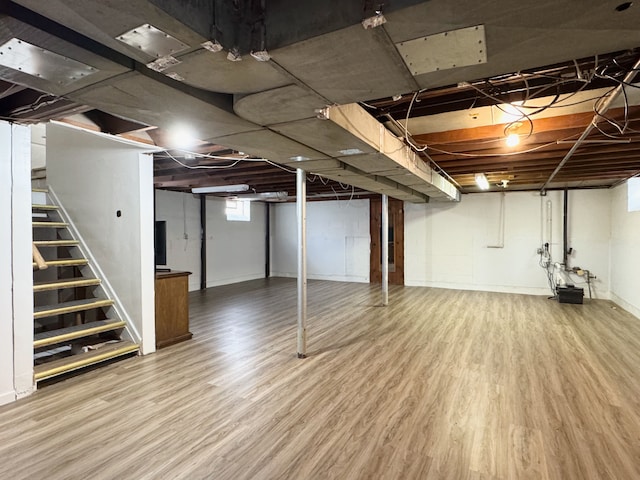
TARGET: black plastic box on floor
(570,294)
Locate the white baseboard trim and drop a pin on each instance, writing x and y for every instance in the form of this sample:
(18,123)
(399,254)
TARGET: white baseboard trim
(231,280)
(26,392)
(632,309)
(331,278)
(482,288)
(7,397)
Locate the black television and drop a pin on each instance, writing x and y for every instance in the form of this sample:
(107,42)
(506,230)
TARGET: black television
(160,242)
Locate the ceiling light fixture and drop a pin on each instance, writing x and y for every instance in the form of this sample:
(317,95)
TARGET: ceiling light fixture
(241,187)
(181,136)
(512,140)
(481,181)
(263,196)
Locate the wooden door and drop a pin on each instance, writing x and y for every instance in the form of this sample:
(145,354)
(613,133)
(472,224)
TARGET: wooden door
(396,241)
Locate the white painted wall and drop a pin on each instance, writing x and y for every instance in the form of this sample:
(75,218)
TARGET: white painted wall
(182,213)
(95,176)
(39,145)
(625,252)
(338,240)
(235,250)
(447,245)
(16,280)
(7,392)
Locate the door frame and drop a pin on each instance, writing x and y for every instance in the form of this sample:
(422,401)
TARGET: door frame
(396,240)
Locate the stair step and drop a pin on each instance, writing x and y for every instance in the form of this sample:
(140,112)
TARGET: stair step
(56,243)
(40,190)
(50,224)
(77,331)
(65,283)
(42,206)
(70,307)
(67,262)
(74,362)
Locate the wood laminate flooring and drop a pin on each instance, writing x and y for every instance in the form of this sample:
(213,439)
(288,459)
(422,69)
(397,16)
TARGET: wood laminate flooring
(441,384)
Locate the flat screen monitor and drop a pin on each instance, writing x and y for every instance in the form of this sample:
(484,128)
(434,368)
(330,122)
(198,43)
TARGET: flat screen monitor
(161,242)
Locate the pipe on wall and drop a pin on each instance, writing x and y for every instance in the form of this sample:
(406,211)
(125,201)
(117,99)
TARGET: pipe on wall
(565,241)
(203,242)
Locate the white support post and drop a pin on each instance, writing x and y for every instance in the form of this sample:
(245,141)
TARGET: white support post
(385,250)
(301,209)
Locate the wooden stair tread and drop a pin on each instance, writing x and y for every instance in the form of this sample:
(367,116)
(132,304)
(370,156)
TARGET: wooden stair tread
(41,206)
(40,190)
(66,262)
(69,307)
(65,283)
(50,224)
(52,337)
(56,243)
(74,362)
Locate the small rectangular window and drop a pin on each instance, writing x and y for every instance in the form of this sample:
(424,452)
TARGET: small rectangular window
(633,192)
(238,210)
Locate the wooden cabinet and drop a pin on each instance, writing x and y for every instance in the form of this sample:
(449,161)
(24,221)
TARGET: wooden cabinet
(172,308)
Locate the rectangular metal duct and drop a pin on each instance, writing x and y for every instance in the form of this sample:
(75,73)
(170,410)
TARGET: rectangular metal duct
(374,183)
(400,161)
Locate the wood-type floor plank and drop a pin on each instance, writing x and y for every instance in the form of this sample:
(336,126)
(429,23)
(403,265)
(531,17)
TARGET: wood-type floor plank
(441,384)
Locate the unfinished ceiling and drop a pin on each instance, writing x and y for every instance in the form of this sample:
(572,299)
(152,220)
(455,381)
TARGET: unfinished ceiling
(316,90)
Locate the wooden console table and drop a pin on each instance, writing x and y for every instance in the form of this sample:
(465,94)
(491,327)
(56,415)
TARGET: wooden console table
(172,308)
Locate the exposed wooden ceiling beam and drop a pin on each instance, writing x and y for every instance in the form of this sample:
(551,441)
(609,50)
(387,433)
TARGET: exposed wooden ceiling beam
(555,125)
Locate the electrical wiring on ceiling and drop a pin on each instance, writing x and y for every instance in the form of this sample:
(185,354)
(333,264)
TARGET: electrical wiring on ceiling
(508,154)
(311,176)
(558,101)
(245,158)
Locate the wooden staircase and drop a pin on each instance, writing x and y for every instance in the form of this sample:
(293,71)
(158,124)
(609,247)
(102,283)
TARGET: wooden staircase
(75,322)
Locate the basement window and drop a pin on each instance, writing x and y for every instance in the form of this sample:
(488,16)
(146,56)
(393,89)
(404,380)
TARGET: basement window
(633,194)
(238,210)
